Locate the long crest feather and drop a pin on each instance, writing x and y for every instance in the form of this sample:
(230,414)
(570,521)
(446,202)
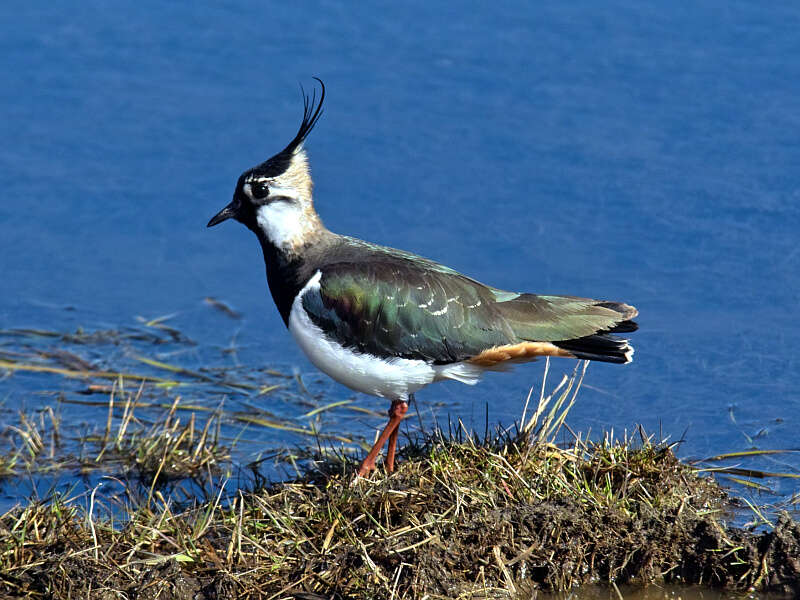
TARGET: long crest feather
(278,164)
(312,111)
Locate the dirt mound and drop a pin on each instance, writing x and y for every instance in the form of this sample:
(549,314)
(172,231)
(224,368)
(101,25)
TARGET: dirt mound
(455,520)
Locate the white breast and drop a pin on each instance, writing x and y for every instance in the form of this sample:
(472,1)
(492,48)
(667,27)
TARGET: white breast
(393,378)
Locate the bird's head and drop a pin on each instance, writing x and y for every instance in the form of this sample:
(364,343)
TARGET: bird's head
(274,199)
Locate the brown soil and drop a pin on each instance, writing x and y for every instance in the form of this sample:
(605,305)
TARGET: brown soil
(425,531)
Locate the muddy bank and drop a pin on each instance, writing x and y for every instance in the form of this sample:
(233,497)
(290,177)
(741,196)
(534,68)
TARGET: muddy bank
(456,520)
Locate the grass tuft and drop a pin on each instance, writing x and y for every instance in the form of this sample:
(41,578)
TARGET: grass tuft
(461,517)
(166,449)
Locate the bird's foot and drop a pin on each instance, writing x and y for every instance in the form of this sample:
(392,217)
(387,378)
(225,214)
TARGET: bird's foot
(365,468)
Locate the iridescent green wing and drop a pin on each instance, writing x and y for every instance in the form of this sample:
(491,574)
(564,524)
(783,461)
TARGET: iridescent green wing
(394,304)
(400,309)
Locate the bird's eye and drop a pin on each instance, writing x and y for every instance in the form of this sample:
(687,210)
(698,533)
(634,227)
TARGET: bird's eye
(259,190)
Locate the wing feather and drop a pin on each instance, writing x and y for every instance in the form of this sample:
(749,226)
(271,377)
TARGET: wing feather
(393,306)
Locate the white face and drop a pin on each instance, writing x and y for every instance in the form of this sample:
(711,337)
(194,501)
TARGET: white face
(284,210)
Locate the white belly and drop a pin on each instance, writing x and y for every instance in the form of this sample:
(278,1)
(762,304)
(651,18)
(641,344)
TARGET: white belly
(393,378)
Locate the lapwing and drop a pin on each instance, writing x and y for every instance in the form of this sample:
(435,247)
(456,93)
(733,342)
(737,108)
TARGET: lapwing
(388,322)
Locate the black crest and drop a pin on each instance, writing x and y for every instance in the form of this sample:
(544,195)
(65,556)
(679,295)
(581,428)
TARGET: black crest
(312,111)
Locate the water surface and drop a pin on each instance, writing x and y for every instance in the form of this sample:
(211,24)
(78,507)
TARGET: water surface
(632,151)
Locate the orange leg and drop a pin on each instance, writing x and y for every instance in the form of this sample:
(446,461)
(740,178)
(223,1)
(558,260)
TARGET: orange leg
(400,410)
(396,414)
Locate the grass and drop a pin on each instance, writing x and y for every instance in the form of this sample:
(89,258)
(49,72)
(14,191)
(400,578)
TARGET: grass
(503,515)
(165,450)
(462,517)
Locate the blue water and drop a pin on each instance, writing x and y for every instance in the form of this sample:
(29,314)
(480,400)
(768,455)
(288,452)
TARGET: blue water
(643,152)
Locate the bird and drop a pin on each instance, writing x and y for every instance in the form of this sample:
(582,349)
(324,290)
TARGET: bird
(387,322)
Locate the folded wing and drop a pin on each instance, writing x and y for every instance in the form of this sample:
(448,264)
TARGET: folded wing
(398,307)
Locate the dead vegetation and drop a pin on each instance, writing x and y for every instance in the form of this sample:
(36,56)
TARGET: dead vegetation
(166,449)
(457,519)
(461,518)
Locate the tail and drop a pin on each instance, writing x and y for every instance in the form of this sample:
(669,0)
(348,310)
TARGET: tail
(564,326)
(603,346)
(567,326)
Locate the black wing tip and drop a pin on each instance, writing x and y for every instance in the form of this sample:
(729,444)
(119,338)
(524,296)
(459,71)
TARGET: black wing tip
(624,327)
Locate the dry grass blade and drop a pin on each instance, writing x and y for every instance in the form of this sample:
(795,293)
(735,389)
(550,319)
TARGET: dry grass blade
(460,518)
(455,520)
(545,429)
(330,406)
(748,472)
(745,454)
(172,368)
(222,307)
(735,473)
(15,366)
